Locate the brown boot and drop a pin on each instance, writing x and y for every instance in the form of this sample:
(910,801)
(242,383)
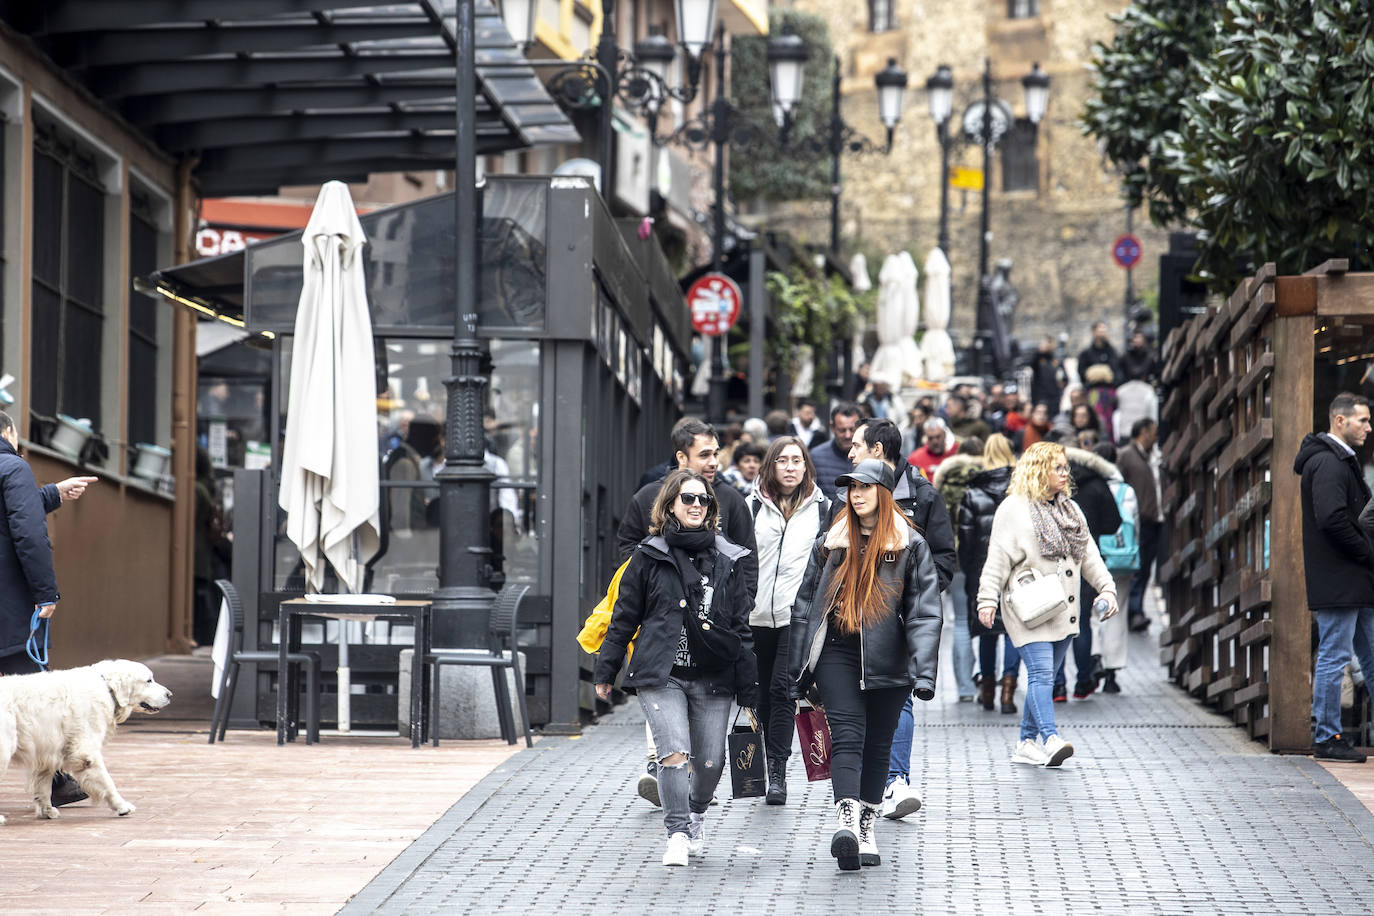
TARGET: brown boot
(1008,694)
(986,687)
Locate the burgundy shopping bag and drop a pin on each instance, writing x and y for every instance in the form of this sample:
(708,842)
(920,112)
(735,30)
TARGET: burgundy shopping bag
(814,734)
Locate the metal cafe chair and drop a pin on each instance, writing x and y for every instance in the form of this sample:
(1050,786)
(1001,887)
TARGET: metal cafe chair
(229,679)
(500,640)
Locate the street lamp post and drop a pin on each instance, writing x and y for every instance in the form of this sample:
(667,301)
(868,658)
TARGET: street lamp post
(985,122)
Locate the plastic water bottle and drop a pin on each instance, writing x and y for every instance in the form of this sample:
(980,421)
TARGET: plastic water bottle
(1100,607)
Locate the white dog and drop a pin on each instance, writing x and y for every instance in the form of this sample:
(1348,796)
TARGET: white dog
(58,720)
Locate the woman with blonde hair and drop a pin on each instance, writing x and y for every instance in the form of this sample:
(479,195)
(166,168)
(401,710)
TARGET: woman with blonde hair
(789,511)
(865,632)
(683,591)
(1038,527)
(974,519)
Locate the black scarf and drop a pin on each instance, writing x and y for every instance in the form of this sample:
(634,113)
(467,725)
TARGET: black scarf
(682,542)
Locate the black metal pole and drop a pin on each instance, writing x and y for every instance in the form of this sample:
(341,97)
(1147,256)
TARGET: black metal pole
(1130,290)
(462,604)
(607,54)
(835,383)
(981,343)
(720,135)
(942,134)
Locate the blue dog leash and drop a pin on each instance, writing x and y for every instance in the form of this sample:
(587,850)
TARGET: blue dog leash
(36,650)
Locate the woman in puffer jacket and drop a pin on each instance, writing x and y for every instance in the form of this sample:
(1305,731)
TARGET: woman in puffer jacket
(976,510)
(788,508)
(865,632)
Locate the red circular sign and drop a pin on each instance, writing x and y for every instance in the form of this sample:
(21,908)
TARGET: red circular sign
(1126,251)
(714,300)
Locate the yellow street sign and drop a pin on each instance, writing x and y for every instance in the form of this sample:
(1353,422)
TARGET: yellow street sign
(965,178)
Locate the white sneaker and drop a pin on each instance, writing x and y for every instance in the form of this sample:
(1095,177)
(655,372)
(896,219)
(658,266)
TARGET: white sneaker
(696,834)
(899,800)
(1029,752)
(1057,750)
(676,853)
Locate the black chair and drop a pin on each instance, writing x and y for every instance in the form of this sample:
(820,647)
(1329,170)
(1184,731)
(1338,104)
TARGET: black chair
(229,679)
(500,638)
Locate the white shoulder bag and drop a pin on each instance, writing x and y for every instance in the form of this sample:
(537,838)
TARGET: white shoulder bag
(1034,598)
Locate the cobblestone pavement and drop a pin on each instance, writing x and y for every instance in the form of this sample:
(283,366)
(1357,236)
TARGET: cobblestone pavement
(1165,808)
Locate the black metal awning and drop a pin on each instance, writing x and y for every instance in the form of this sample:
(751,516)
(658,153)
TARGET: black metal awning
(265,93)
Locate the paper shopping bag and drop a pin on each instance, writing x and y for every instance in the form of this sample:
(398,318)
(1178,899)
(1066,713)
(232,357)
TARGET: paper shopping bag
(814,733)
(748,774)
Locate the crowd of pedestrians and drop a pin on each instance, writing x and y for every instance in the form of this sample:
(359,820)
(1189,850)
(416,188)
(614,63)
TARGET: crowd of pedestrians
(817,558)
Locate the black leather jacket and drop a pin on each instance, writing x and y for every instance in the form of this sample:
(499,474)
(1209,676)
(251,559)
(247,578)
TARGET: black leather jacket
(651,600)
(901,650)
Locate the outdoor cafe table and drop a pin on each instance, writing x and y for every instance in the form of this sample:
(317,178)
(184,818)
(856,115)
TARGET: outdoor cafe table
(293,610)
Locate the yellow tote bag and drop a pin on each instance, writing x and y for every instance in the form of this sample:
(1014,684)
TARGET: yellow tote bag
(593,632)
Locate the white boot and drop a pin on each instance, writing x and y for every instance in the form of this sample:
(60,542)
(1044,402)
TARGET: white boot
(868,841)
(696,834)
(844,845)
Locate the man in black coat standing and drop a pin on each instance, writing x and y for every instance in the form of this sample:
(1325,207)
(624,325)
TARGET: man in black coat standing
(1338,560)
(695,447)
(28,583)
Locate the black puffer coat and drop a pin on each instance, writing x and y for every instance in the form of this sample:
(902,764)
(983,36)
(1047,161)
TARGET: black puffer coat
(652,600)
(26,572)
(1091,492)
(903,649)
(976,511)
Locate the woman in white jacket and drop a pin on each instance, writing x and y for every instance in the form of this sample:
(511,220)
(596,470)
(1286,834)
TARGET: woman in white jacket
(788,509)
(1039,527)
(1109,636)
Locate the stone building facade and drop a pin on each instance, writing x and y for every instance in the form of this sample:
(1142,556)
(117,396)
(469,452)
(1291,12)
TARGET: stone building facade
(1059,223)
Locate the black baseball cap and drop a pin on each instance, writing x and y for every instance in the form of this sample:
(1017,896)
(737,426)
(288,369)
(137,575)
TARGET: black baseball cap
(870,470)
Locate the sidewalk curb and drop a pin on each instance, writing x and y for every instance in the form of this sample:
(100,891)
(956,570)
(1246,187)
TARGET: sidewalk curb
(1341,798)
(392,878)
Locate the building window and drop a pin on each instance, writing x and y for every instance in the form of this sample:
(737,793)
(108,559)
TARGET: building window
(1020,168)
(882,15)
(143,321)
(68,308)
(1022,9)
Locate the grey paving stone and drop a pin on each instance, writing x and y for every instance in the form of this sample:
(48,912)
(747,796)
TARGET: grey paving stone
(1164,808)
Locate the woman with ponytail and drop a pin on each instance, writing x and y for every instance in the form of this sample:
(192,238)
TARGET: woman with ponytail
(865,631)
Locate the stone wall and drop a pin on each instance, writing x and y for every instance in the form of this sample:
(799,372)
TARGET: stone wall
(1059,236)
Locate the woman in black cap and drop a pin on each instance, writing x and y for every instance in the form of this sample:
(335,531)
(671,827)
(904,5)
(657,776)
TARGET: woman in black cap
(865,632)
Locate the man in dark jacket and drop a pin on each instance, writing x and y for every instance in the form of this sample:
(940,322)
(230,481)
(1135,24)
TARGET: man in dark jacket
(1338,560)
(919,501)
(831,457)
(1135,466)
(1047,376)
(1094,497)
(696,447)
(27,580)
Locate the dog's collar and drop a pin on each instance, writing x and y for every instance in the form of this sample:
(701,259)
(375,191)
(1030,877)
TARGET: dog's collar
(113,699)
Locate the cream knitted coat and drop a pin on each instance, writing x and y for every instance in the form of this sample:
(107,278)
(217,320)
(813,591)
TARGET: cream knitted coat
(1012,548)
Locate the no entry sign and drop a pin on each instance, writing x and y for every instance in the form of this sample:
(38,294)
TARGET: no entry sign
(1126,251)
(714,300)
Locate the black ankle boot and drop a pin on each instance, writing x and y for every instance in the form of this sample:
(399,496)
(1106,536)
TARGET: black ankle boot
(777,781)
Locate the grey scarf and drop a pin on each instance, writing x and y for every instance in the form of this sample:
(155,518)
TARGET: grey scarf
(1060,531)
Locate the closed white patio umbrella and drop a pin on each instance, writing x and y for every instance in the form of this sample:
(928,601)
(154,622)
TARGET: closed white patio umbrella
(329,485)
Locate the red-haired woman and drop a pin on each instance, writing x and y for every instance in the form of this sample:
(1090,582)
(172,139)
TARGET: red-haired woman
(865,632)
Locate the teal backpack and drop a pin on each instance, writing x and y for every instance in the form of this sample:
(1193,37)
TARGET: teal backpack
(1121,551)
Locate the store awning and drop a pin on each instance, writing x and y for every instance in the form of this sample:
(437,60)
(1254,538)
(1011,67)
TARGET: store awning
(266,93)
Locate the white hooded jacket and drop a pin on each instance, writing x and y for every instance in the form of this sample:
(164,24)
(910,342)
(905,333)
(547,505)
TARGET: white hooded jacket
(783,550)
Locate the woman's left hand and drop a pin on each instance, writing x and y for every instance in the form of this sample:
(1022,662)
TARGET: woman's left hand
(1111,599)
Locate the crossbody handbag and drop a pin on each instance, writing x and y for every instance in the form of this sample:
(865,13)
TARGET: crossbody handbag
(1034,598)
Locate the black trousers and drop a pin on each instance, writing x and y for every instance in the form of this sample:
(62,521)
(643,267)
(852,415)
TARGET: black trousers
(775,707)
(861,721)
(18,663)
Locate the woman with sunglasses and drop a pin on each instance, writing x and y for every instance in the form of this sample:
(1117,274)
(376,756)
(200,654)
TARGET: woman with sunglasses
(865,632)
(1039,527)
(789,510)
(684,593)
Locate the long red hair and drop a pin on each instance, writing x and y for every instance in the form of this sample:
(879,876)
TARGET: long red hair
(862,599)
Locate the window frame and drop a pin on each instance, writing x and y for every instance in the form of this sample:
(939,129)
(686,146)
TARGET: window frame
(882,16)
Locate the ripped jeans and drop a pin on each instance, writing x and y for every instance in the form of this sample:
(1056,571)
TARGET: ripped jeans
(686,717)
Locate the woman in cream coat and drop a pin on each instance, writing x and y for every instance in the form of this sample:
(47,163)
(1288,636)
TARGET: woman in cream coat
(1038,526)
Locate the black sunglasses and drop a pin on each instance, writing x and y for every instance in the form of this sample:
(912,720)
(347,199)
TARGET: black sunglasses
(695,499)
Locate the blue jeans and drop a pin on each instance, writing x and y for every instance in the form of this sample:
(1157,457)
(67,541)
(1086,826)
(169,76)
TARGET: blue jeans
(962,655)
(899,761)
(685,717)
(1041,658)
(1339,631)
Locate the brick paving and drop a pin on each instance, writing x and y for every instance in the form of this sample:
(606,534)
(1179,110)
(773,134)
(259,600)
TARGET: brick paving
(244,826)
(1165,809)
